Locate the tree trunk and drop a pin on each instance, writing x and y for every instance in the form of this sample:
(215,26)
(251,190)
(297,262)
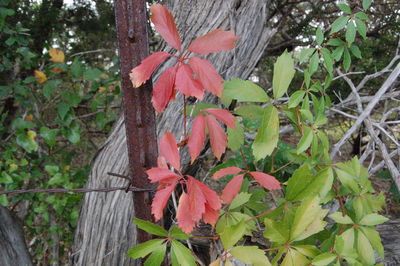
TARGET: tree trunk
(13,250)
(105,229)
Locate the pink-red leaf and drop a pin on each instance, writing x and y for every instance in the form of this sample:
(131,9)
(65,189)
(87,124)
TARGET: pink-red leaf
(232,170)
(161,162)
(232,189)
(223,115)
(217,136)
(186,83)
(163,90)
(161,175)
(169,150)
(207,75)
(211,215)
(212,198)
(160,200)
(143,72)
(183,214)
(265,180)
(197,137)
(165,25)
(214,41)
(196,199)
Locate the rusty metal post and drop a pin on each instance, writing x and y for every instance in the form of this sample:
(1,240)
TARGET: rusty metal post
(131,22)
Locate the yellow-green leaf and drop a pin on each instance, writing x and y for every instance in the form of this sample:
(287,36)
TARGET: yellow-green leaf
(283,74)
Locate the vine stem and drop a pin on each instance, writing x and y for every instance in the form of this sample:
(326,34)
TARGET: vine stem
(259,215)
(244,159)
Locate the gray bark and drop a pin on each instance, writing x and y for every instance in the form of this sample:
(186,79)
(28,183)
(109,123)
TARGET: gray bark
(105,229)
(13,250)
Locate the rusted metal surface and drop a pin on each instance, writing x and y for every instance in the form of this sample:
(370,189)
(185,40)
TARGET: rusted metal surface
(131,22)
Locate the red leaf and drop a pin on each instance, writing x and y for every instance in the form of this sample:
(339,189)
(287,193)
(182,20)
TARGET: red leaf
(161,175)
(232,170)
(197,137)
(265,180)
(165,25)
(207,75)
(217,136)
(183,214)
(214,41)
(223,115)
(186,83)
(143,72)
(196,199)
(232,189)
(169,150)
(212,198)
(211,215)
(163,90)
(160,200)
(161,162)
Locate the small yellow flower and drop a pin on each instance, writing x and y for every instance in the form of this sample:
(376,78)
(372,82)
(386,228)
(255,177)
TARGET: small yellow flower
(31,134)
(28,117)
(102,89)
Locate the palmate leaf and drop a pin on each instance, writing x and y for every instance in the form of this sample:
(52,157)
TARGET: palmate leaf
(214,41)
(165,25)
(232,234)
(235,137)
(142,250)
(157,256)
(243,91)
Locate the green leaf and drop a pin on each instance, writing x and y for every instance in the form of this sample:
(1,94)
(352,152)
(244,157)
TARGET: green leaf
(323,259)
(305,140)
(366,4)
(268,134)
(150,227)
(364,248)
(52,169)
(20,124)
(283,74)
(177,233)
(26,142)
(328,62)
(345,8)
(92,74)
(250,255)
(235,137)
(49,135)
(276,231)
(350,32)
(362,15)
(305,54)
(239,200)
(361,28)
(73,135)
(373,219)
(319,36)
(5,178)
(313,66)
(298,183)
(336,42)
(250,111)
(294,258)
(346,59)
(182,254)
(4,200)
(345,241)
(232,234)
(296,98)
(305,214)
(355,51)
(57,179)
(347,180)
(339,24)
(157,256)
(244,91)
(77,68)
(142,250)
(339,218)
(49,87)
(63,109)
(374,239)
